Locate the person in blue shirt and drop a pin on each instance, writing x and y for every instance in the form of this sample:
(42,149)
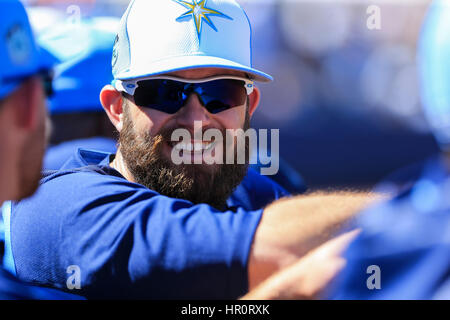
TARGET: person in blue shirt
(137,224)
(404,249)
(24,81)
(82,51)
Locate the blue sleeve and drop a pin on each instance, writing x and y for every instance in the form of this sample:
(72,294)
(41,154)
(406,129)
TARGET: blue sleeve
(12,289)
(411,250)
(130,242)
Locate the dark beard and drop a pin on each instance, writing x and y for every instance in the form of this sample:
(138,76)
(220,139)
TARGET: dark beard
(197,183)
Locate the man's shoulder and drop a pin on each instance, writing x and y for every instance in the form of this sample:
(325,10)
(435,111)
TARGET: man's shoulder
(82,163)
(86,178)
(66,180)
(89,173)
(82,157)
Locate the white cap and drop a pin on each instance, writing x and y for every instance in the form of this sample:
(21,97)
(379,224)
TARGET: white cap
(157,37)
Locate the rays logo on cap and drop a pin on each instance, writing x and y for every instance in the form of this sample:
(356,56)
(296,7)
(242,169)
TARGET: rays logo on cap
(19,44)
(200,13)
(115,55)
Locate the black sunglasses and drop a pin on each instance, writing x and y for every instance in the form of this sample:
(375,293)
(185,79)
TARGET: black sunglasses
(170,94)
(47,82)
(45,75)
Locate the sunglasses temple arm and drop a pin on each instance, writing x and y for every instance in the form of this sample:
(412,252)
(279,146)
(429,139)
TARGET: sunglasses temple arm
(249,87)
(128,87)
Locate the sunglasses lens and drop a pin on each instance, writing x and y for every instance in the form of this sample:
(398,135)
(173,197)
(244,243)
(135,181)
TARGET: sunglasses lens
(161,95)
(170,96)
(221,95)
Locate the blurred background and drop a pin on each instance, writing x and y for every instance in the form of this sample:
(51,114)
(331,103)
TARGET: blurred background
(346,95)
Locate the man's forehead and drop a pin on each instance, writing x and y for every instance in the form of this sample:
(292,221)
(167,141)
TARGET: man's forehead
(200,73)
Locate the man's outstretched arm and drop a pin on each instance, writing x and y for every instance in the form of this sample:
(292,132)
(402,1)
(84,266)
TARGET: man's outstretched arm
(291,227)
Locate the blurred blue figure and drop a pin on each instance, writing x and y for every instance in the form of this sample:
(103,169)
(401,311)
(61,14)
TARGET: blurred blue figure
(21,64)
(83,51)
(404,249)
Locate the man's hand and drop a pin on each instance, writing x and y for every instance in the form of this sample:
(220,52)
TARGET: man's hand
(307,278)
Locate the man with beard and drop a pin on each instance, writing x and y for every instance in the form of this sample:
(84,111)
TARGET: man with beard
(23,116)
(138,225)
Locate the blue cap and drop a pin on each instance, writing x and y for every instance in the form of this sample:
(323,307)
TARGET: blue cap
(434,63)
(157,37)
(83,51)
(19,55)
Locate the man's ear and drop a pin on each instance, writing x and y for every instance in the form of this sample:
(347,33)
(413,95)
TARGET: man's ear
(112,102)
(254,99)
(28,102)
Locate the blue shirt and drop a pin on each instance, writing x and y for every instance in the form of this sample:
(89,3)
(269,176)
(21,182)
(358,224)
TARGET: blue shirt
(13,289)
(57,155)
(408,238)
(131,242)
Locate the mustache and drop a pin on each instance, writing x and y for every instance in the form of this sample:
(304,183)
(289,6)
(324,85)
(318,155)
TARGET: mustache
(165,134)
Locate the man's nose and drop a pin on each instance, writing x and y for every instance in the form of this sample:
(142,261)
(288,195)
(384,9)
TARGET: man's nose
(191,112)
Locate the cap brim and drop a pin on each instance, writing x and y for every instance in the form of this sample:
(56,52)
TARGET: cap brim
(7,89)
(190,62)
(47,60)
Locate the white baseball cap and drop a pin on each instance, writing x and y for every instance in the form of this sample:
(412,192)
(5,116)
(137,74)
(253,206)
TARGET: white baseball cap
(158,37)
